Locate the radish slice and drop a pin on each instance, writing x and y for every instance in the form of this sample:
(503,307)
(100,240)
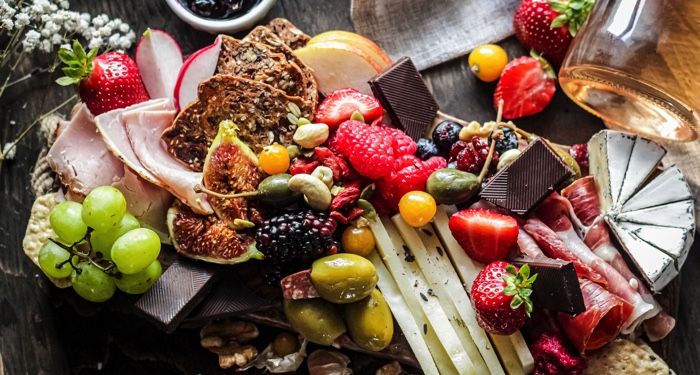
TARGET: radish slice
(198,67)
(159,59)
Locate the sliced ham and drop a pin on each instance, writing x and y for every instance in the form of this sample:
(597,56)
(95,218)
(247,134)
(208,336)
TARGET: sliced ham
(554,212)
(143,128)
(146,202)
(528,246)
(111,128)
(602,321)
(585,204)
(80,157)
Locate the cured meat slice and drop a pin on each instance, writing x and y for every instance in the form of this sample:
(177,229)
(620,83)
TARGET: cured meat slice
(602,321)
(528,246)
(554,213)
(112,130)
(143,129)
(80,157)
(299,286)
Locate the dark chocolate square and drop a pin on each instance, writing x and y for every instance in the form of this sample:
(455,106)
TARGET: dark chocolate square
(556,287)
(530,178)
(406,98)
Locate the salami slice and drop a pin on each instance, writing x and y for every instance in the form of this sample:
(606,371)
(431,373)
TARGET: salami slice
(298,286)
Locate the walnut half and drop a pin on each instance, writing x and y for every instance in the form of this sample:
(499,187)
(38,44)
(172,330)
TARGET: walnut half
(226,338)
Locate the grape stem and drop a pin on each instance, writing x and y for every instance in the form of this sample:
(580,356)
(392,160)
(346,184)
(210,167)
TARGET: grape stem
(201,189)
(89,256)
(496,134)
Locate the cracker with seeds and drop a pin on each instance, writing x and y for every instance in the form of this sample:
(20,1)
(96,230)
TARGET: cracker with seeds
(624,357)
(290,34)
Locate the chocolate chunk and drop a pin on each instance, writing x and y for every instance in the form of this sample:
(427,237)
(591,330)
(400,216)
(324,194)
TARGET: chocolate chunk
(556,287)
(529,179)
(230,297)
(406,98)
(183,285)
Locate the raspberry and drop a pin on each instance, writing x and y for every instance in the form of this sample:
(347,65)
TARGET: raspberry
(552,356)
(404,161)
(302,165)
(580,154)
(372,150)
(390,189)
(471,156)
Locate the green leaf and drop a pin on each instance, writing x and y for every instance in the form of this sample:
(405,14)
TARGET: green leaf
(525,292)
(93,52)
(74,73)
(516,302)
(558,6)
(66,81)
(560,21)
(525,271)
(532,279)
(575,5)
(79,51)
(66,56)
(511,269)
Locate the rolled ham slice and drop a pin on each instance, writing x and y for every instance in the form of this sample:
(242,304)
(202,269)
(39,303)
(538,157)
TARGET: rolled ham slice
(143,129)
(80,157)
(554,212)
(602,321)
(583,197)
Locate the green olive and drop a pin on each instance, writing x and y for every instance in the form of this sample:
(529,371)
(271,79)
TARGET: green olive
(569,160)
(369,322)
(274,191)
(343,278)
(452,186)
(316,319)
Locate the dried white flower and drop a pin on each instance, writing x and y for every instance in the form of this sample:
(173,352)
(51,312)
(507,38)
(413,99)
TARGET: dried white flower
(7,24)
(22,20)
(95,43)
(9,151)
(31,40)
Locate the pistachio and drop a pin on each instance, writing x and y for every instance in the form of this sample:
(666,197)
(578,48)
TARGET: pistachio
(311,135)
(507,158)
(324,174)
(315,191)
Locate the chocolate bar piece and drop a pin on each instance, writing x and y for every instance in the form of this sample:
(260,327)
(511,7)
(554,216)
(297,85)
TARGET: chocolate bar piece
(230,297)
(406,98)
(556,287)
(530,178)
(183,285)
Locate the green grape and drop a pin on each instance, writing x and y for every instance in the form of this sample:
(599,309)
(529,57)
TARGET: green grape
(104,208)
(140,282)
(66,221)
(92,284)
(102,241)
(51,255)
(135,250)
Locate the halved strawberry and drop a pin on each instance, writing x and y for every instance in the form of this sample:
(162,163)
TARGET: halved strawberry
(526,86)
(339,105)
(485,235)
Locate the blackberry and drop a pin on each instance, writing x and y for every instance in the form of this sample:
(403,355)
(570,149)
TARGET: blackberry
(445,135)
(426,149)
(292,241)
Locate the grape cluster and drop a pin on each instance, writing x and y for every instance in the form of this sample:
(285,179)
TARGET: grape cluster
(101,247)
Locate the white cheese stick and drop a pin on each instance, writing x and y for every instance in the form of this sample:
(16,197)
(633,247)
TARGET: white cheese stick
(412,284)
(411,326)
(512,350)
(450,292)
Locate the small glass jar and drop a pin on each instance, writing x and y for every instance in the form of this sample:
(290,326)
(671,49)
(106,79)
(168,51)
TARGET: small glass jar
(636,64)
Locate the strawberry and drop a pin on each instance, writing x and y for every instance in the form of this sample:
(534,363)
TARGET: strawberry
(485,235)
(526,86)
(339,105)
(501,297)
(549,26)
(105,82)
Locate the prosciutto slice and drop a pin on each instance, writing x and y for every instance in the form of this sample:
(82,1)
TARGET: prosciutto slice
(143,128)
(583,197)
(80,157)
(111,128)
(602,321)
(146,202)
(554,212)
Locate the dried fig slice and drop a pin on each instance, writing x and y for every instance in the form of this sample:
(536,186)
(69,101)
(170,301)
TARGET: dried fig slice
(208,238)
(232,167)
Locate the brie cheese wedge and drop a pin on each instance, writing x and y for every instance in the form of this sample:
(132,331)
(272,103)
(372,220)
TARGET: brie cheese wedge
(653,219)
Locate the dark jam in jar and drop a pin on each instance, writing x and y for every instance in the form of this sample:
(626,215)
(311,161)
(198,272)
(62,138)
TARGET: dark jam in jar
(219,9)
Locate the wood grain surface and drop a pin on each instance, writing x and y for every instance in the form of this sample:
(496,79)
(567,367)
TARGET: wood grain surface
(44,330)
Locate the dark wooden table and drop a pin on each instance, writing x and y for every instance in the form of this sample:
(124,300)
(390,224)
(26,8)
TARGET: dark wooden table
(47,331)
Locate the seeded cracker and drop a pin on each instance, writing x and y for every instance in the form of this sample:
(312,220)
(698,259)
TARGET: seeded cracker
(259,110)
(39,231)
(256,61)
(624,357)
(290,34)
(265,35)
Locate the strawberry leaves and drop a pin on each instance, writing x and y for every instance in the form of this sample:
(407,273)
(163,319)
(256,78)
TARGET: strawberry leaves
(78,63)
(572,13)
(519,285)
